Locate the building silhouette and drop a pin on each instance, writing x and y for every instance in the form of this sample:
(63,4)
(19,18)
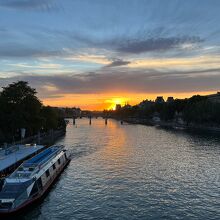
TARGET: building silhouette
(170,99)
(118,107)
(159,99)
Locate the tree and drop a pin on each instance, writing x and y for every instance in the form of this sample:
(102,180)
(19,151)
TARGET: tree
(50,117)
(20,108)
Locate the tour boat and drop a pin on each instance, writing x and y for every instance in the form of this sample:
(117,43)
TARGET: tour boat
(31,180)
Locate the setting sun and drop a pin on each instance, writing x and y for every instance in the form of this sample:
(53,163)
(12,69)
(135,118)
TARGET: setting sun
(115,101)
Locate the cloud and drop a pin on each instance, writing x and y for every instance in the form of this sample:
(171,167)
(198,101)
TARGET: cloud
(28,4)
(188,63)
(50,88)
(100,59)
(118,62)
(138,43)
(123,80)
(15,50)
(37,66)
(156,44)
(69,44)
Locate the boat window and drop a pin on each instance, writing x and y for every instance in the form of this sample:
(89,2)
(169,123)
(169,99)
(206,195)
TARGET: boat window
(59,161)
(20,175)
(6,205)
(54,166)
(47,173)
(39,183)
(34,189)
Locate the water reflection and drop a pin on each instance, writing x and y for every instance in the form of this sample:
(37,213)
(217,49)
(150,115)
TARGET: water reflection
(135,172)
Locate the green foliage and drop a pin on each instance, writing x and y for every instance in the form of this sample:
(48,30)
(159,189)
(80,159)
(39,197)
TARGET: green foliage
(50,117)
(20,108)
(197,109)
(202,112)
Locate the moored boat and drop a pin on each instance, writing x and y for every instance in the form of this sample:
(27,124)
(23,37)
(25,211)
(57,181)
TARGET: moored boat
(13,156)
(32,179)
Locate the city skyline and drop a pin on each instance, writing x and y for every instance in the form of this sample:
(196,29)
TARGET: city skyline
(97,54)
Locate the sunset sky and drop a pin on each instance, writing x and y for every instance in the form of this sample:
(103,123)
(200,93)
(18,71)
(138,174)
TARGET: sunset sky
(94,54)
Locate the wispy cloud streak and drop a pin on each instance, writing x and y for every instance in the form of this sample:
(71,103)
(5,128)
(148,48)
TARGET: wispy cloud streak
(28,4)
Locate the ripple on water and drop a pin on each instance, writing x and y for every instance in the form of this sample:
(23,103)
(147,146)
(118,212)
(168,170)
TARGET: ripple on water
(135,172)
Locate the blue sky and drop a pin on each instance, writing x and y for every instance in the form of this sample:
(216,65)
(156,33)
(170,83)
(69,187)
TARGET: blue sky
(111,47)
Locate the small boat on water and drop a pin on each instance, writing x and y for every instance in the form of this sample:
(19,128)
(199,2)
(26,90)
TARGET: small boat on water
(32,179)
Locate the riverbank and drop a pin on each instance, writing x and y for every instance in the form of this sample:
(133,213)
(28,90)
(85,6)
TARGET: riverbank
(173,125)
(46,138)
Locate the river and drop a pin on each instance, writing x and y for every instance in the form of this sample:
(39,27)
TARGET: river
(135,172)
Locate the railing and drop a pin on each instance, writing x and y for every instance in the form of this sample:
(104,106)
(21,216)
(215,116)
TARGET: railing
(43,138)
(20,199)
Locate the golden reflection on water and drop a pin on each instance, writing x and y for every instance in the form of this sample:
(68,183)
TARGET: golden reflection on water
(133,172)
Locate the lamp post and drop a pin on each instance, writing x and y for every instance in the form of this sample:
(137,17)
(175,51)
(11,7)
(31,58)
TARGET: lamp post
(23,131)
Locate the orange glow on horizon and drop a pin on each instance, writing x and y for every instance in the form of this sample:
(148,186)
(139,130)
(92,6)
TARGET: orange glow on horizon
(108,101)
(115,101)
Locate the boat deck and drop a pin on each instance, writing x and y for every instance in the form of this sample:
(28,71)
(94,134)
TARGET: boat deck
(22,152)
(42,157)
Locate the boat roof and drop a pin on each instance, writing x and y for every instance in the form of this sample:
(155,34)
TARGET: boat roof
(42,157)
(13,190)
(34,164)
(20,153)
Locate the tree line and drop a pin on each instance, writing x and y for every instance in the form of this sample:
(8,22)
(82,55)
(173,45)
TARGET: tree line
(21,108)
(194,110)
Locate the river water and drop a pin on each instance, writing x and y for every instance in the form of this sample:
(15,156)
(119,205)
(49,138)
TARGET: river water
(135,172)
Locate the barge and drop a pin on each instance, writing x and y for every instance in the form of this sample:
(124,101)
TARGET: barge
(32,179)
